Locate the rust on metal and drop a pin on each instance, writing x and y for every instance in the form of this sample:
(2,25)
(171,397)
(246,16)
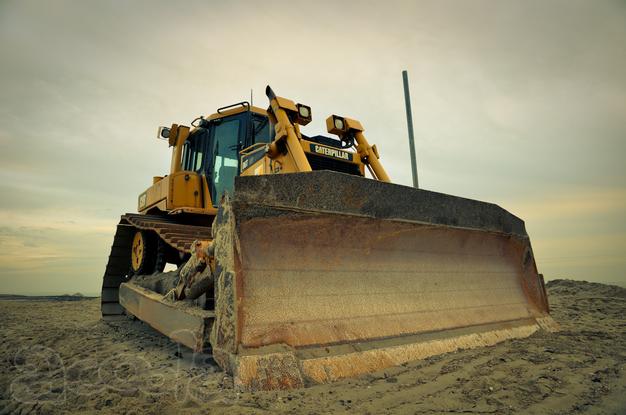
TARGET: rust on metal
(381,274)
(182,322)
(329,280)
(178,235)
(322,276)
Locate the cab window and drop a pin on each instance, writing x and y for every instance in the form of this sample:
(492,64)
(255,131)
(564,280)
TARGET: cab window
(192,153)
(260,129)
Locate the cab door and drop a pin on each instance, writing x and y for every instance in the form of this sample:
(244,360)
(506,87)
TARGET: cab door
(186,185)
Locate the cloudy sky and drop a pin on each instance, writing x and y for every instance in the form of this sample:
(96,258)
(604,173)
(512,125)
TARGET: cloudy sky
(522,103)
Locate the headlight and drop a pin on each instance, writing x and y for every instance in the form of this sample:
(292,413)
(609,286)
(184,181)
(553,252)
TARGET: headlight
(305,112)
(336,125)
(339,123)
(164,133)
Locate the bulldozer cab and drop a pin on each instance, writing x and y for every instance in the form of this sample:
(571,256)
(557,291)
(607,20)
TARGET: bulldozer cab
(205,160)
(213,148)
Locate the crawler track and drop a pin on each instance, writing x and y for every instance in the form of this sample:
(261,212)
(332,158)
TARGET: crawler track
(170,229)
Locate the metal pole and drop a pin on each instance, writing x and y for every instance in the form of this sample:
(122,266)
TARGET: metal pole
(409,123)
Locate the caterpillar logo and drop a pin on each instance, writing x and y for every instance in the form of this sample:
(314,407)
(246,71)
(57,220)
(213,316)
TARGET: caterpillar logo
(331,152)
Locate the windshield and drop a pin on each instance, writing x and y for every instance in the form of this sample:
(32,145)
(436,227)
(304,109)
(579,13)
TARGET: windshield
(226,153)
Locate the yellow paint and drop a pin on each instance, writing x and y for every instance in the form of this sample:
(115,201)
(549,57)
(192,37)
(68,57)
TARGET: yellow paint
(137,252)
(189,192)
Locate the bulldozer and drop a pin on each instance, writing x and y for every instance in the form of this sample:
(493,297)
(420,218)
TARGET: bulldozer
(292,267)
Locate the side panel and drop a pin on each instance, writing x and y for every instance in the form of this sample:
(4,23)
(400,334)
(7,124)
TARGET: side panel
(185,190)
(154,195)
(257,168)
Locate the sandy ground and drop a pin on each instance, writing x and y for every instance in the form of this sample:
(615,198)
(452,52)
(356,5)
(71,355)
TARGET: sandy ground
(58,357)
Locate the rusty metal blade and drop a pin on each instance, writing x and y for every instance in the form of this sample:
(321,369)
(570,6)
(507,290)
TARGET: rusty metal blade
(322,259)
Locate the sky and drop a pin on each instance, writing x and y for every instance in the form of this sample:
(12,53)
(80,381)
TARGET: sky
(519,103)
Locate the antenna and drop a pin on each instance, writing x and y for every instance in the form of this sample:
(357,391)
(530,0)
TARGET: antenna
(409,123)
(251,96)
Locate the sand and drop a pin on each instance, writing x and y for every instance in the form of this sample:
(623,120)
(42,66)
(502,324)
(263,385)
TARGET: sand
(58,357)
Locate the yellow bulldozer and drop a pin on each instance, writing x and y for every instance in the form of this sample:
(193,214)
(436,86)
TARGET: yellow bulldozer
(293,268)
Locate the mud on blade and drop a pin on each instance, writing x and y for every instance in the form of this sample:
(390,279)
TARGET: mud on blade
(323,275)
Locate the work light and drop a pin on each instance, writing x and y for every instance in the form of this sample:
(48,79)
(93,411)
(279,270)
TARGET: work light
(338,123)
(304,114)
(164,133)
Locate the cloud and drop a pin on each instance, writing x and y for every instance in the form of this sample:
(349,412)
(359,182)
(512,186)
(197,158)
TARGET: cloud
(572,204)
(519,103)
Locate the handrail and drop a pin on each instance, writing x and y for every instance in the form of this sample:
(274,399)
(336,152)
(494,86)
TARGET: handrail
(242,103)
(251,149)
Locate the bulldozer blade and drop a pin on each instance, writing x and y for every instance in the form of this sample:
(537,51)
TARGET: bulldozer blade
(323,275)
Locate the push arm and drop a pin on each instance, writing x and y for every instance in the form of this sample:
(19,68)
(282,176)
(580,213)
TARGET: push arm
(287,140)
(348,129)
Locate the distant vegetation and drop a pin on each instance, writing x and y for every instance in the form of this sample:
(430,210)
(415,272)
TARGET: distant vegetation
(64,297)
